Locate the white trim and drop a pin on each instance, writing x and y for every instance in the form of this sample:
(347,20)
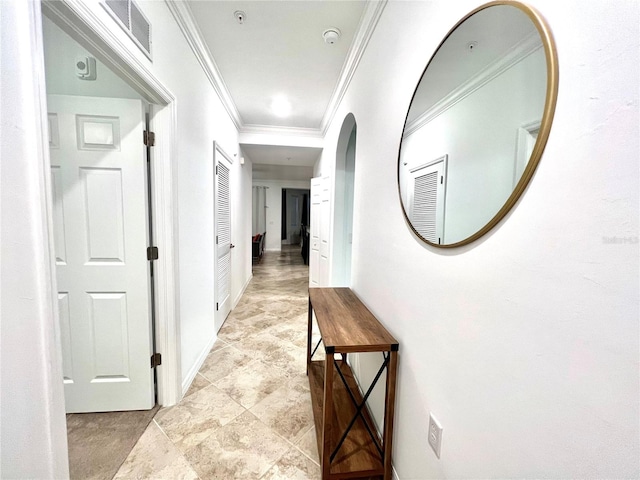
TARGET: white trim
(31,356)
(367,26)
(191,374)
(242,290)
(166,268)
(83,25)
(515,54)
(184,18)
(217,148)
(443,158)
(524,135)
(189,27)
(278,130)
(415,172)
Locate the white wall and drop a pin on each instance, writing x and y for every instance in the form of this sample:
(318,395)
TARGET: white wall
(60,53)
(481,144)
(33,440)
(274,208)
(201,120)
(524,344)
(241,198)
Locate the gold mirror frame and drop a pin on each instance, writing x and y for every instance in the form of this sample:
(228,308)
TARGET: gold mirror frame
(551,57)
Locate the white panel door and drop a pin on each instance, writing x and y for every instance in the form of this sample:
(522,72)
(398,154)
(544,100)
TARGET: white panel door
(314,241)
(100,228)
(223,236)
(325,232)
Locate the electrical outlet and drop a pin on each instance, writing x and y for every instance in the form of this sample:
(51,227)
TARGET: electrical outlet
(435,434)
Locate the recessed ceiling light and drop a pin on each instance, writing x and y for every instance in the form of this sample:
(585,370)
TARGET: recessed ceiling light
(280,106)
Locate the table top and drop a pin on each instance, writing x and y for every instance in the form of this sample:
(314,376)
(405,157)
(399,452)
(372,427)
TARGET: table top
(346,325)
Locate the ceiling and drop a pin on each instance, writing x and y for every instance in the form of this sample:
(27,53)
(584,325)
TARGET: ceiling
(279,50)
(277,162)
(493,33)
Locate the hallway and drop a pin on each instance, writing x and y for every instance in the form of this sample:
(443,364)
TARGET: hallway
(248,412)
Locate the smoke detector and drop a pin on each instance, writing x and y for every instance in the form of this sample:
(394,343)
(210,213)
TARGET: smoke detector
(331,35)
(240,16)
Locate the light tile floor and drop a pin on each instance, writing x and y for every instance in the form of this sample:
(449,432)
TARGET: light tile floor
(248,412)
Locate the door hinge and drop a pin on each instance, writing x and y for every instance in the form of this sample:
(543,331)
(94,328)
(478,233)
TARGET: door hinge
(216,306)
(149,138)
(216,169)
(216,239)
(152,253)
(156,360)
(441,180)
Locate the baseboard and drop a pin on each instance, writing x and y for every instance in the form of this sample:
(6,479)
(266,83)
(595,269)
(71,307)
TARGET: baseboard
(242,290)
(395,474)
(186,383)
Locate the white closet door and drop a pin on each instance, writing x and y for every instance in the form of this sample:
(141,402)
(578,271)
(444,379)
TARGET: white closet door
(100,226)
(223,237)
(325,232)
(314,247)
(427,199)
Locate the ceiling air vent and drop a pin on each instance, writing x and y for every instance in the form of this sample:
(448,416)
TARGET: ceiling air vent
(129,16)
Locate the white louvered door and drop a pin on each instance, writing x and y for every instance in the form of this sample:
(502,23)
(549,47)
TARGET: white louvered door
(314,247)
(100,227)
(325,232)
(427,199)
(223,237)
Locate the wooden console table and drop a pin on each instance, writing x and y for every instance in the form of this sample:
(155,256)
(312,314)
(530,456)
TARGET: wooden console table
(348,444)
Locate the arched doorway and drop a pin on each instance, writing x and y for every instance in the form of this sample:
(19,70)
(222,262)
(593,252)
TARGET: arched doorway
(344,194)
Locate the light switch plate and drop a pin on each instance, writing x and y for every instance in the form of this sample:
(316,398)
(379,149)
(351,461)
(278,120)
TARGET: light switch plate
(435,434)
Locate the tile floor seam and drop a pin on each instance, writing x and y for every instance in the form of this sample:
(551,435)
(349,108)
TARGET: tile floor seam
(264,334)
(298,443)
(232,373)
(307,456)
(273,464)
(206,379)
(278,434)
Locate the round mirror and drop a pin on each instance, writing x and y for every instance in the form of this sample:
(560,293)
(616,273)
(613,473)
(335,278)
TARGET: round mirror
(477,124)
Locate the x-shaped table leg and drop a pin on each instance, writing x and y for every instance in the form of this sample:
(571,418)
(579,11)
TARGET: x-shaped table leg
(359,408)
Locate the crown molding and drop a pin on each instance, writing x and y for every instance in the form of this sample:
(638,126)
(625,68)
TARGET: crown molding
(366,27)
(515,54)
(184,18)
(278,130)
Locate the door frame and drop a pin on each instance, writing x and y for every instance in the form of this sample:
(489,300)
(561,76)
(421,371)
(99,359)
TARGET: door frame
(340,275)
(217,149)
(79,21)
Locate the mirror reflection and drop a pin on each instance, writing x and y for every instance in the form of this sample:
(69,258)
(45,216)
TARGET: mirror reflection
(472,125)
